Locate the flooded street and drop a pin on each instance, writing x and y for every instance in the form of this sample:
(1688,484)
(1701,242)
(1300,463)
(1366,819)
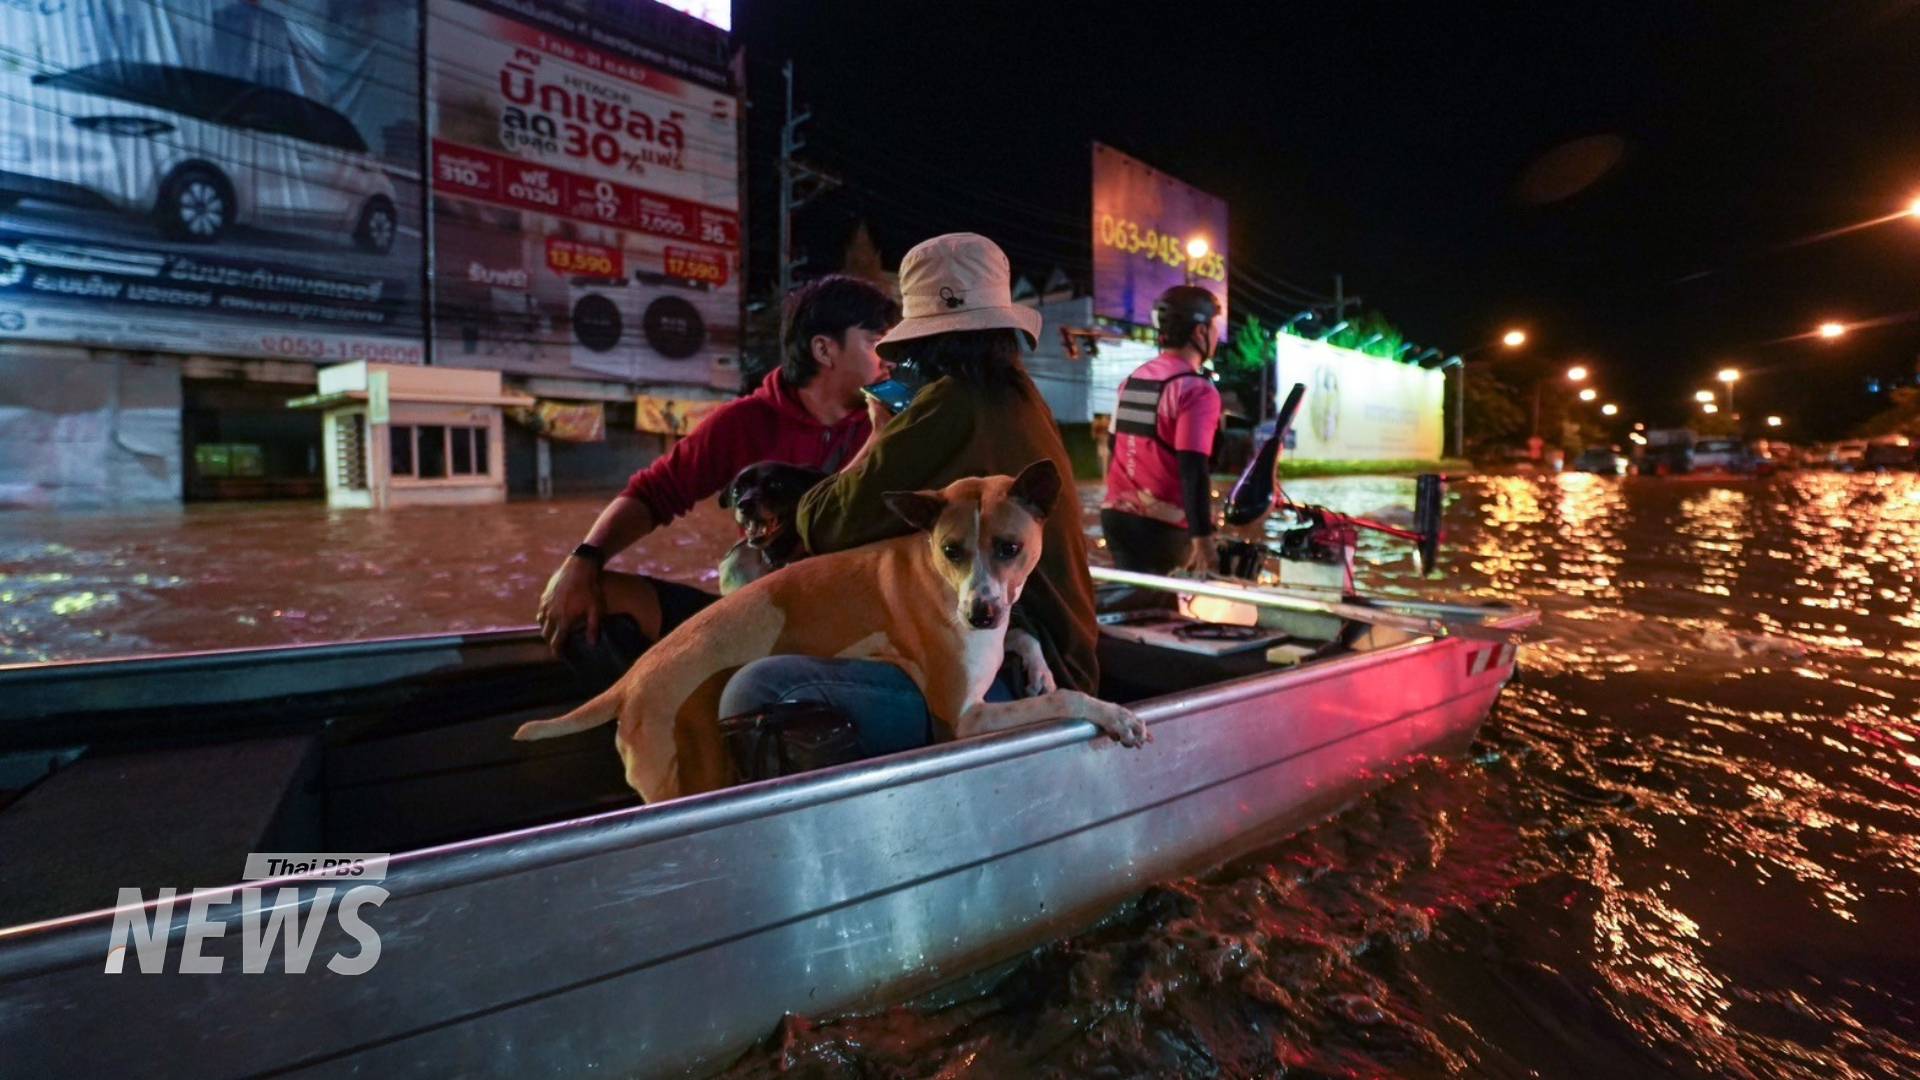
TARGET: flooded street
(1686,844)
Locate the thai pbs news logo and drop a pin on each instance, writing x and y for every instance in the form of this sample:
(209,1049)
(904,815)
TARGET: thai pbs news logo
(275,921)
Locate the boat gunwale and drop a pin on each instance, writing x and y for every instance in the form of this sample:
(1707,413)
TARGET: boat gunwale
(69,940)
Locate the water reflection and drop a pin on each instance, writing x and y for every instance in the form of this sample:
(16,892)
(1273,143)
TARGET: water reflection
(1688,843)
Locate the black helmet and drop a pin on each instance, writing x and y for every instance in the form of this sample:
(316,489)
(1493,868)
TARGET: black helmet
(1179,310)
(1183,307)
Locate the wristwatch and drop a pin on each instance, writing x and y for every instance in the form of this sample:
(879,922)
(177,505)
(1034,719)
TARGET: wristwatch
(591,553)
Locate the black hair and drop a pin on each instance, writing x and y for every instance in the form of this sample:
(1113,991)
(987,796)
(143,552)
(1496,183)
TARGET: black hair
(830,306)
(985,358)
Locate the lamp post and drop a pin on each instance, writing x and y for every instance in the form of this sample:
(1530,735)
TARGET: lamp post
(1831,330)
(1459,403)
(1730,376)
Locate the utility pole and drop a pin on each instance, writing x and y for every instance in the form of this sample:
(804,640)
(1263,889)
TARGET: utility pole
(1339,298)
(793,175)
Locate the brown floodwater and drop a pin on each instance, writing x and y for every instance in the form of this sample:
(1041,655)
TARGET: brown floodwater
(1686,844)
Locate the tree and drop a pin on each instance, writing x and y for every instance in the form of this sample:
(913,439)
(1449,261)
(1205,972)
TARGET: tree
(1902,419)
(1494,411)
(1245,365)
(1369,332)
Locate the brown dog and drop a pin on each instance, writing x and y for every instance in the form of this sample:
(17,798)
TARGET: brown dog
(933,602)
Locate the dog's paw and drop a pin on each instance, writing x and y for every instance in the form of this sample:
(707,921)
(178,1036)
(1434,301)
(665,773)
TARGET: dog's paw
(1118,721)
(1033,663)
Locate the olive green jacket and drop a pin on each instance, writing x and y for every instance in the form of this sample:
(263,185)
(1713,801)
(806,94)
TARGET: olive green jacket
(952,430)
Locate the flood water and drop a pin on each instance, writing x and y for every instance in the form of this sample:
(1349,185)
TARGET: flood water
(1686,844)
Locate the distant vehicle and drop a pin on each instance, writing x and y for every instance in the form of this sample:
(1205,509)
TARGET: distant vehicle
(1723,455)
(198,151)
(1668,452)
(1850,453)
(1890,452)
(1603,462)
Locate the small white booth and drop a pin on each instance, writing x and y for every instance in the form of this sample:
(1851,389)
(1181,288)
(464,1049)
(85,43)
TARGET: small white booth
(402,435)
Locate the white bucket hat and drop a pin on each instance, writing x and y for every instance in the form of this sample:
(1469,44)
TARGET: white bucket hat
(960,281)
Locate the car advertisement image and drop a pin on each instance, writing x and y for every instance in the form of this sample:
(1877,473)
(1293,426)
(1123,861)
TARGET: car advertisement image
(585,202)
(222,177)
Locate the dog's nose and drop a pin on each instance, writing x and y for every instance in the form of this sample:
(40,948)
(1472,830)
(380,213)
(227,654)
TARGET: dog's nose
(983,616)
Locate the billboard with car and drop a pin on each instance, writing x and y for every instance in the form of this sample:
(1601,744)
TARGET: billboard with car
(1359,407)
(585,197)
(215,176)
(1143,221)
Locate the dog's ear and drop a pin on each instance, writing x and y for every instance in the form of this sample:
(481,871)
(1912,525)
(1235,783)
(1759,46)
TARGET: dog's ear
(726,497)
(919,509)
(1037,487)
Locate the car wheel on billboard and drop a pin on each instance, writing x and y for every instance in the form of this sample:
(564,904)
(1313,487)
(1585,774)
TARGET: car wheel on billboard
(377,227)
(196,204)
(674,327)
(596,322)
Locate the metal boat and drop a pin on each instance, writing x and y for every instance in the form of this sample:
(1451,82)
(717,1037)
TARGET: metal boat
(539,921)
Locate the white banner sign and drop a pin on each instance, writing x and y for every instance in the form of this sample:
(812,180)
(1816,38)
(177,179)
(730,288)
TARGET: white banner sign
(1359,407)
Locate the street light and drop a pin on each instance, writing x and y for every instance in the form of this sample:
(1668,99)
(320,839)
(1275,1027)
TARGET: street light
(1729,376)
(1773,421)
(1197,249)
(1609,409)
(1576,373)
(1703,396)
(1709,408)
(1589,394)
(1513,339)
(1913,208)
(1831,330)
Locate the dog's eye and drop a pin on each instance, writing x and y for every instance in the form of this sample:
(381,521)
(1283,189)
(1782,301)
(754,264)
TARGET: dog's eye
(955,553)
(1005,550)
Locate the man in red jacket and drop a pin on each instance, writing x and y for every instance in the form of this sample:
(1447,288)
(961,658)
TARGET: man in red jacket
(809,412)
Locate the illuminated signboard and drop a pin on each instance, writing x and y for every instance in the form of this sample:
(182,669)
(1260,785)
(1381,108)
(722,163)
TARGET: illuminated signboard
(212,177)
(1143,222)
(1359,407)
(712,12)
(586,199)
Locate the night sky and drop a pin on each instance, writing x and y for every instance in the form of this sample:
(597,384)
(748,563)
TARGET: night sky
(1412,148)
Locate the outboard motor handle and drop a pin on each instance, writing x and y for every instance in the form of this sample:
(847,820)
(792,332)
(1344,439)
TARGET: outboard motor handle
(1252,493)
(1429,501)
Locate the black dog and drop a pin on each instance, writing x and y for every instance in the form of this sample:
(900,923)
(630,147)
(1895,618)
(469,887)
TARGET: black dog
(764,499)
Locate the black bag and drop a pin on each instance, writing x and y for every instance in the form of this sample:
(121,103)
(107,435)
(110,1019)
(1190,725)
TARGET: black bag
(787,738)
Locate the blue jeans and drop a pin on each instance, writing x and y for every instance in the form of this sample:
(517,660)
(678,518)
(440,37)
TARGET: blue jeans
(887,709)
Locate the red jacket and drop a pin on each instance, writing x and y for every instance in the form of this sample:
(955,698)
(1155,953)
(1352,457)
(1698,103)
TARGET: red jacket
(768,425)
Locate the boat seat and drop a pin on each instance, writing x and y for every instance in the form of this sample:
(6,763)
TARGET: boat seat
(1134,671)
(412,789)
(185,818)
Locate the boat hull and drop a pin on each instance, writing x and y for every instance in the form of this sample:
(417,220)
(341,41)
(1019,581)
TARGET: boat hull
(663,940)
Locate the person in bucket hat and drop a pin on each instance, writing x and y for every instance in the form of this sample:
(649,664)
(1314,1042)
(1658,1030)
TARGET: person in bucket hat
(977,413)
(960,281)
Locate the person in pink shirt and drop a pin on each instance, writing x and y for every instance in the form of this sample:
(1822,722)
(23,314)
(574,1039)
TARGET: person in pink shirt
(809,412)
(1158,512)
